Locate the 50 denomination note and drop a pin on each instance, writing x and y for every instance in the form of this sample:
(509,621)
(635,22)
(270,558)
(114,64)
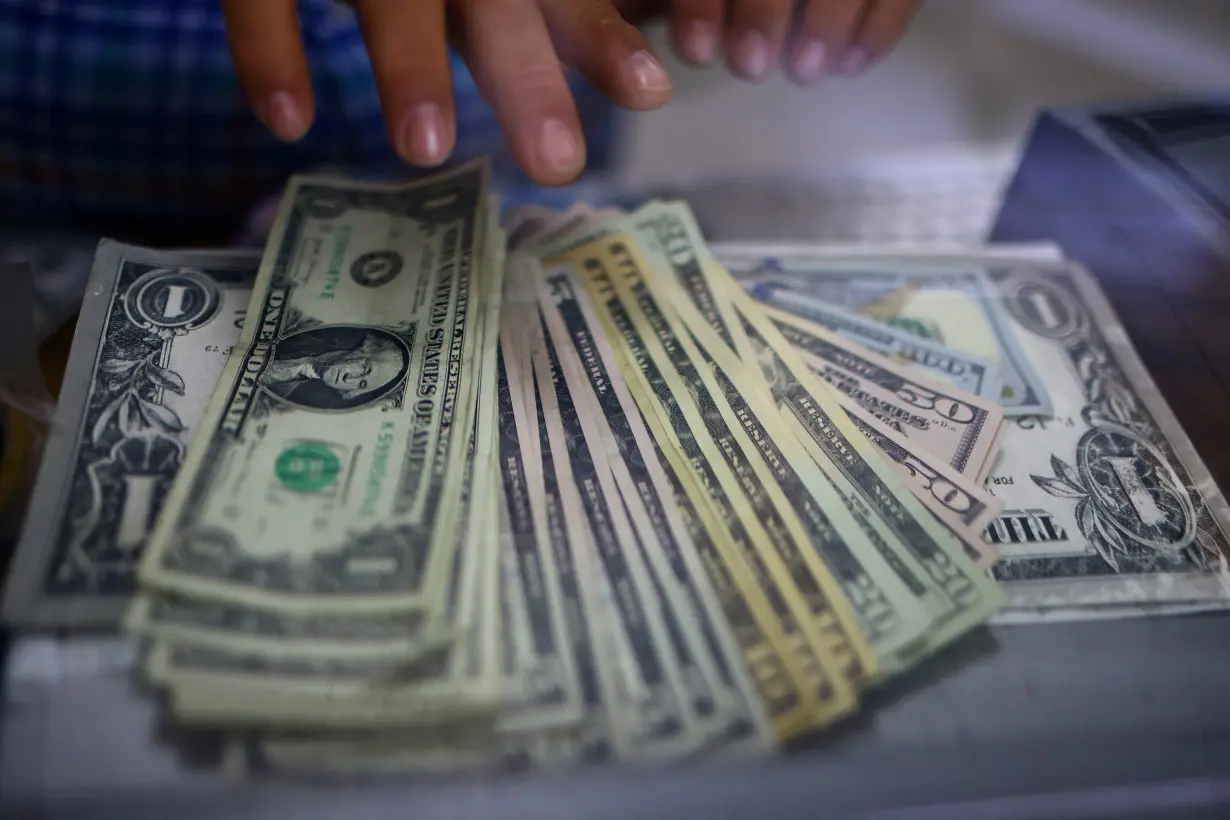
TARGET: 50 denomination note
(962,370)
(342,409)
(866,560)
(964,507)
(861,533)
(958,427)
(922,555)
(154,334)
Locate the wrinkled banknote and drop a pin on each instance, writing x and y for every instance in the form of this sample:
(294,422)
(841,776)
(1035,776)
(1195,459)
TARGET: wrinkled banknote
(457,682)
(883,565)
(650,715)
(726,706)
(964,507)
(155,331)
(1105,503)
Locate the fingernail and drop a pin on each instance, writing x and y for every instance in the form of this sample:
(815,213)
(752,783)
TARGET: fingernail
(808,61)
(854,62)
(560,149)
(700,42)
(646,73)
(421,136)
(283,116)
(751,55)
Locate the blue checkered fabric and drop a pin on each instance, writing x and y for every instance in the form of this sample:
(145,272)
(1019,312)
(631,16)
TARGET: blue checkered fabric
(123,113)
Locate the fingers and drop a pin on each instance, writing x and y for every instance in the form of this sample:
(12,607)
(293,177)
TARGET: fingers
(828,28)
(593,37)
(844,37)
(509,52)
(698,27)
(811,39)
(407,43)
(883,27)
(267,50)
(757,33)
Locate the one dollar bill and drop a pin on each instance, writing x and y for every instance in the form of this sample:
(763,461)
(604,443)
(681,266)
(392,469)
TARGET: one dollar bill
(326,472)
(155,331)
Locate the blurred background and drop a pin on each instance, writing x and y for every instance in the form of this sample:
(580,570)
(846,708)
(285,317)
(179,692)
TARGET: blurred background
(967,77)
(921,145)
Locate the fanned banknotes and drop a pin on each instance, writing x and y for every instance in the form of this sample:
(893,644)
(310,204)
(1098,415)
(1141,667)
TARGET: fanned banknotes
(954,305)
(962,370)
(458,499)
(1105,507)
(680,390)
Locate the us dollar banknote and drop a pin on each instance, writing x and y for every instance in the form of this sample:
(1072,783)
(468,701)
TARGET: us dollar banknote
(593,740)
(155,331)
(456,682)
(650,716)
(962,370)
(964,507)
(766,698)
(921,556)
(956,426)
(1106,504)
(952,304)
(780,661)
(541,687)
(903,614)
(726,706)
(326,474)
(673,383)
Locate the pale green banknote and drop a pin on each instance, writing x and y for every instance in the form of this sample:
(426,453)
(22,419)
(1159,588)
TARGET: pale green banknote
(326,473)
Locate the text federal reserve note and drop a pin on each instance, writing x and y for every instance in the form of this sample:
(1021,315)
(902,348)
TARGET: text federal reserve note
(649,712)
(964,507)
(155,331)
(542,687)
(673,384)
(721,695)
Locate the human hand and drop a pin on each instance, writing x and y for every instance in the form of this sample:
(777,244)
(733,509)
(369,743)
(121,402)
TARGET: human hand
(521,74)
(514,49)
(810,39)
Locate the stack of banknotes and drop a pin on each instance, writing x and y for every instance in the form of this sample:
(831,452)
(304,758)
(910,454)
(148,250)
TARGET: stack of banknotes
(421,489)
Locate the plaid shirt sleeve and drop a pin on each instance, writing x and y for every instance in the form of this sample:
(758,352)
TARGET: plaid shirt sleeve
(125,117)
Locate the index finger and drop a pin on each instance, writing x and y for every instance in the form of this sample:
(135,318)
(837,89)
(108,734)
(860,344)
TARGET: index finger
(510,54)
(407,43)
(267,49)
